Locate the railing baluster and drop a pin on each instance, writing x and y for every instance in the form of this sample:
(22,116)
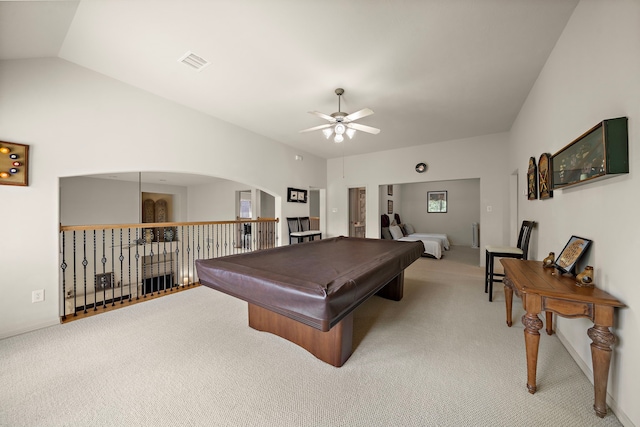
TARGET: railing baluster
(113,272)
(63,266)
(159,265)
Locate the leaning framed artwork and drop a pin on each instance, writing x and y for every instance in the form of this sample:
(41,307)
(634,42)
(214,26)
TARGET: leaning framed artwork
(436,201)
(571,254)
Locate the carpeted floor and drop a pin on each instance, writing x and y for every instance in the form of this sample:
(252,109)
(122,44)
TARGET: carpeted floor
(442,356)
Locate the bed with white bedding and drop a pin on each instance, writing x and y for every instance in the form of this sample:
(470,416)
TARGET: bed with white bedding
(444,240)
(432,247)
(434,243)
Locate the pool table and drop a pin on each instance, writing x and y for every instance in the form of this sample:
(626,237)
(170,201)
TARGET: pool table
(306,293)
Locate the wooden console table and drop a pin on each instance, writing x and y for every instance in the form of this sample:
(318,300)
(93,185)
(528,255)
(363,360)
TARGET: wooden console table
(545,289)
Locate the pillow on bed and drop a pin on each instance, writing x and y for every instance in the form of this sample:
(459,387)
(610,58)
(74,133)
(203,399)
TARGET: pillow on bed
(396,232)
(386,234)
(409,229)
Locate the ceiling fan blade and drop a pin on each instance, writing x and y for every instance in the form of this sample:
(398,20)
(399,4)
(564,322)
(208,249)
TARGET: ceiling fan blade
(358,115)
(363,128)
(324,116)
(317,128)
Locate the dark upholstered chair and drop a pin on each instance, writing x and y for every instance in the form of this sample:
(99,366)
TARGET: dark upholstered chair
(492,252)
(305,223)
(299,229)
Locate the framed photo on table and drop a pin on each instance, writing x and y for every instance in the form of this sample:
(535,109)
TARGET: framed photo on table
(571,254)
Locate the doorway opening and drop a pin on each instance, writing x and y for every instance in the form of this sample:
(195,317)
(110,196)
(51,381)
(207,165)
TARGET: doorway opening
(357,212)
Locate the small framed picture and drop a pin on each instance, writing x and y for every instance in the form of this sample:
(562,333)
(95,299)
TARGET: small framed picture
(296,195)
(571,254)
(532,180)
(544,176)
(389,190)
(390,207)
(436,201)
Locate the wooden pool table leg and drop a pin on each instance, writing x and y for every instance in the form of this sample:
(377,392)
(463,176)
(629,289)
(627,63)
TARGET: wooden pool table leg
(394,290)
(333,347)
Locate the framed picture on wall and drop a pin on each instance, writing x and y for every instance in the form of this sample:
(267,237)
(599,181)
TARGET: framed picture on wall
(389,190)
(544,176)
(296,195)
(390,207)
(532,180)
(436,201)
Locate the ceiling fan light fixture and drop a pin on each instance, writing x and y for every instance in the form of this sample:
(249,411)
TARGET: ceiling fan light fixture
(341,123)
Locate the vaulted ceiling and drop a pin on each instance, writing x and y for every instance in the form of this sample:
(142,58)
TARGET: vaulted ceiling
(431,70)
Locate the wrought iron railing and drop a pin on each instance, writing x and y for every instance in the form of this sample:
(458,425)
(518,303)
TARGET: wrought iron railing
(106,265)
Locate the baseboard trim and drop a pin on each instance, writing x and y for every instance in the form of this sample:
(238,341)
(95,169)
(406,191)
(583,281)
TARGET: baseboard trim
(587,369)
(30,328)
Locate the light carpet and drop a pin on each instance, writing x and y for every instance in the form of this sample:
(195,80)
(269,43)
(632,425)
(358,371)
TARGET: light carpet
(443,356)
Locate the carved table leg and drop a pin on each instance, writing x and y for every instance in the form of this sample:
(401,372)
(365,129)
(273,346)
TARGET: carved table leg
(508,299)
(532,325)
(601,356)
(549,316)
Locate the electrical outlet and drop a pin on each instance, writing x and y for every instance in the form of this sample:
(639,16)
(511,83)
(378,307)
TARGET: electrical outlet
(489,208)
(37,296)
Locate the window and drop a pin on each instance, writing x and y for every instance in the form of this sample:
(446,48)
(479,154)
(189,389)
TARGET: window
(245,204)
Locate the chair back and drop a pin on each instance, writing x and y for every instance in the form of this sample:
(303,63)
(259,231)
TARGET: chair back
(294,224)
(524,236)
(305,223)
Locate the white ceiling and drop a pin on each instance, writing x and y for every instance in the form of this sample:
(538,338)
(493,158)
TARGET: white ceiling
(432,70)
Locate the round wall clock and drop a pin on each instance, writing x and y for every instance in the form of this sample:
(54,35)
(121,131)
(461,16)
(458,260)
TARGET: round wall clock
(421,167)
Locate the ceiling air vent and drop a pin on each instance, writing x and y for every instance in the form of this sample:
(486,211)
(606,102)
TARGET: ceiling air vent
(194,61)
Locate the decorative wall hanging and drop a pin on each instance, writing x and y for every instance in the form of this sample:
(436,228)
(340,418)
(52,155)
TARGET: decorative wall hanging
(389,207)
(571,254)
(436,201)
(532,180)
(544,176)
(14,161)
(389,190)
(296,195)
(601,152)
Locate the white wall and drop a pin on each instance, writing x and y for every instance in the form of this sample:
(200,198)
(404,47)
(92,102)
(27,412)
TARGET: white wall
(85,200)
(463,208)
(78,122)
(470,158)
(214,202)
(592,74)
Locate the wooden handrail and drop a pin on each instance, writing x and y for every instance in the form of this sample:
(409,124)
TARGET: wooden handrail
(160,224)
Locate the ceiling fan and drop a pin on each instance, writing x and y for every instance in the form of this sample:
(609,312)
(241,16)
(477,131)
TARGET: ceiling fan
(342,123)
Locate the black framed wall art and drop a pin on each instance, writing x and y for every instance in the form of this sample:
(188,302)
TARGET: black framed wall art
(296,195)
(436,201)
